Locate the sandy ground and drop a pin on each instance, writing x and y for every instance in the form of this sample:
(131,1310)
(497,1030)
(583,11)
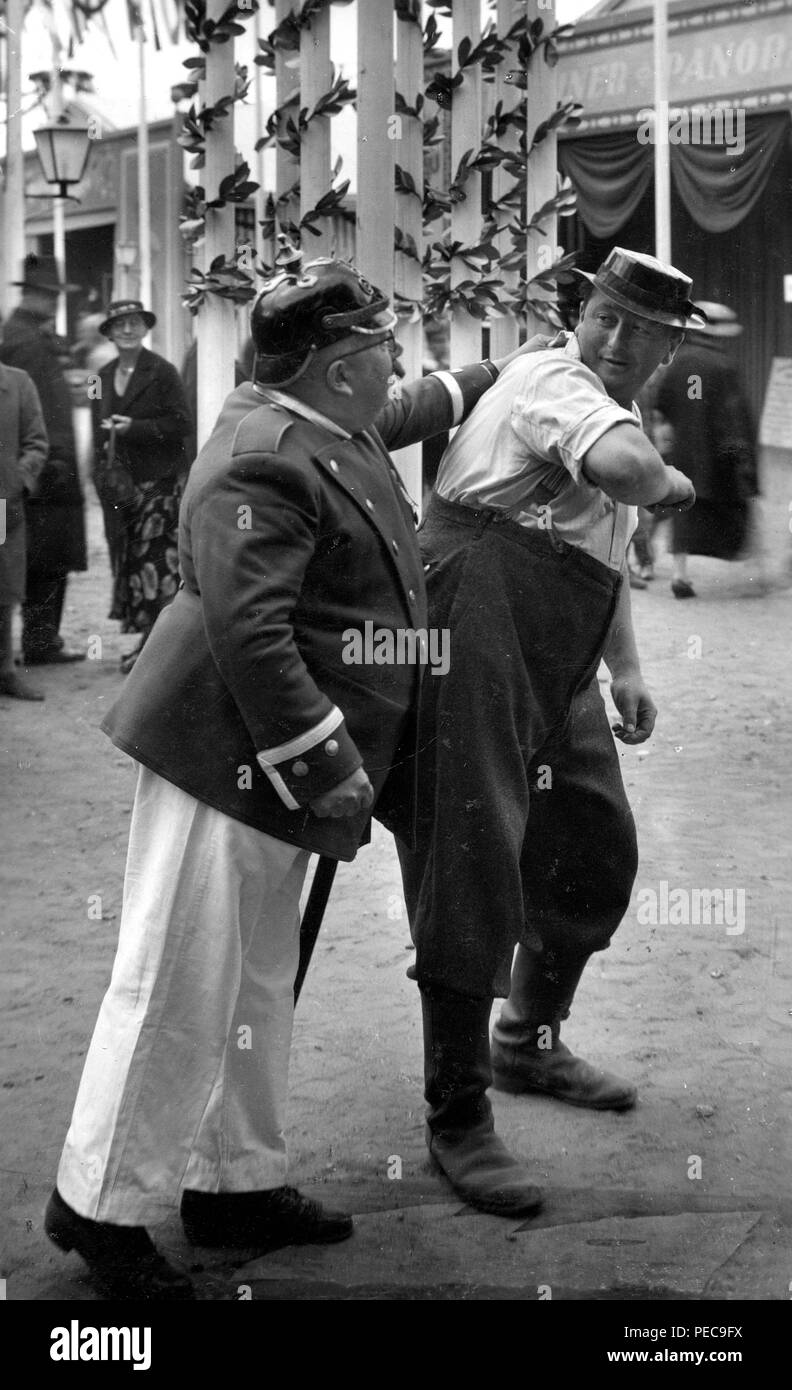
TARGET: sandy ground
(699,1016)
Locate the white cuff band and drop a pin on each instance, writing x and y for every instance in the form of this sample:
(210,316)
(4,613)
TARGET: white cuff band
(269,757)
(452,387)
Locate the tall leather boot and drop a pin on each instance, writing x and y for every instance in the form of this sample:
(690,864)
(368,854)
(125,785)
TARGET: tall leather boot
(527,1053)
(460,1130)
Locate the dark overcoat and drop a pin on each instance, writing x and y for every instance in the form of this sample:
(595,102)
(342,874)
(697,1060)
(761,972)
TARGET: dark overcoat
(714,444)
(23,451)
(55,516)
(154,398)
(291,539)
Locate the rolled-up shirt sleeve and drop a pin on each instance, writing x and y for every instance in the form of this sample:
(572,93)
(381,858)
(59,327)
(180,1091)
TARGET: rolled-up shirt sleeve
(559,414)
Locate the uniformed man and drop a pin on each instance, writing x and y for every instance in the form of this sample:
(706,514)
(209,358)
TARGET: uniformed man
(525,835)
(257,745)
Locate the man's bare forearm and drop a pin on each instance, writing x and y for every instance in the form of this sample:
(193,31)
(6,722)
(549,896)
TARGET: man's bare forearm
(621,652)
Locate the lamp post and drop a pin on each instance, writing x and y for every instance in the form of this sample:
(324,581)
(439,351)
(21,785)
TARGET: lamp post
(62,151)
(125,256)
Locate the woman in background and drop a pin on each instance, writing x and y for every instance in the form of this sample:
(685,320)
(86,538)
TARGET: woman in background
(140,422)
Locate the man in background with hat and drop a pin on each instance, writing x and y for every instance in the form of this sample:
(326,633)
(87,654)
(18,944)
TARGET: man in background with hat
(525,837)
(714,439)
(55,514)
(258,743)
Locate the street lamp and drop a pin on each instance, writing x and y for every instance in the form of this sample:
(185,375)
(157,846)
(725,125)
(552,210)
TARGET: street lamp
(63,154)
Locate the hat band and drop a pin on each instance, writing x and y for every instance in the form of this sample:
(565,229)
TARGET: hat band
(606,280)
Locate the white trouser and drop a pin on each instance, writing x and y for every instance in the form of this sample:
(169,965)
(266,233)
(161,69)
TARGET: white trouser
(185,1081)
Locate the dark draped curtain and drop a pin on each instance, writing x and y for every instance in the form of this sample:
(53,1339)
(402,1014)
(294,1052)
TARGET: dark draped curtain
(716,185)
(611,174)
(742,264)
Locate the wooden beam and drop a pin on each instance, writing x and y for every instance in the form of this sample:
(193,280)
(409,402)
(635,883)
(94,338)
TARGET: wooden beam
(466,133)
(407,139)
(505,330)
(287,82)
(541,100)
(376,200)
(216,321)
(315,171)
(13,240)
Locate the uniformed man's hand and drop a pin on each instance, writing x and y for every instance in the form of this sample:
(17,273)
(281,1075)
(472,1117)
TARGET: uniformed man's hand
(349,798)
(537,343)
(636,707)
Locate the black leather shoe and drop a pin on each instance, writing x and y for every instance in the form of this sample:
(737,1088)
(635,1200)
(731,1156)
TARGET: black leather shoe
(280,1216)
(123,1261)
(52,656)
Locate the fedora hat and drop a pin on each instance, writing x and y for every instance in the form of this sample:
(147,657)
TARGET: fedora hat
(120,308)
(722,322)
(647,287)
(41,273)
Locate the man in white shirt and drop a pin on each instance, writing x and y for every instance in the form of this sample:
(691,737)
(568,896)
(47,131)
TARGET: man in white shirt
(525,836)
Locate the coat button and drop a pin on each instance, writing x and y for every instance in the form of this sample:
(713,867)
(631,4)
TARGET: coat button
(411,595)
(300,769)
(395,545)
(331,748)
(334,465)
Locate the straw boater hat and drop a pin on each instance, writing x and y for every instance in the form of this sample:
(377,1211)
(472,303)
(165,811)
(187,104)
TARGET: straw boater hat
(120,308)
(647,287)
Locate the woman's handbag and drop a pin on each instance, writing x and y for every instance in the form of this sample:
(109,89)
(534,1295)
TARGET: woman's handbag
(116,482)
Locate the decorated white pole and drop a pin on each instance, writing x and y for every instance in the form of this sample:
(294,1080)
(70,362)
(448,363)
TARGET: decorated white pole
(13,247)
(662,151)
(287,82)
(466,133)
(504,330)
(376,198)
(143,188)
(216,323)
(407,139)
(315,80)
(541,100)
(259,198)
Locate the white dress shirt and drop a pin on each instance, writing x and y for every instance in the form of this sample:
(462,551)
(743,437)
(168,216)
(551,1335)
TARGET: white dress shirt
(522,448)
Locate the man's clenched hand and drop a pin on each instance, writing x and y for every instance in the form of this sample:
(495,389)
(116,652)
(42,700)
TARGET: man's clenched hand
(636,707)
(349,798)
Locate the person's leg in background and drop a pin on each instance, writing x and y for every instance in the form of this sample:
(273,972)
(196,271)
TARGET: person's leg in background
(10,683)
(41,618)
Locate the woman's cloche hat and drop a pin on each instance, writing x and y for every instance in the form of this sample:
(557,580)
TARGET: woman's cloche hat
(120,308)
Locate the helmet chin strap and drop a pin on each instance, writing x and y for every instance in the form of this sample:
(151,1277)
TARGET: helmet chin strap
(284,381)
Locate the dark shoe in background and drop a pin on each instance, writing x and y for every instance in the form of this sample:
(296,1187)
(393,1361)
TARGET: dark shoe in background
(52,656)
(680,588)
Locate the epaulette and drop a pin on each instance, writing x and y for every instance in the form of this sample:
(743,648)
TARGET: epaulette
(261,430)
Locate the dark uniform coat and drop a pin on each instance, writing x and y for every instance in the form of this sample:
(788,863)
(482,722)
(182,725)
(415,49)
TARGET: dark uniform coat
(23,449)
(55,516)
(291,539)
